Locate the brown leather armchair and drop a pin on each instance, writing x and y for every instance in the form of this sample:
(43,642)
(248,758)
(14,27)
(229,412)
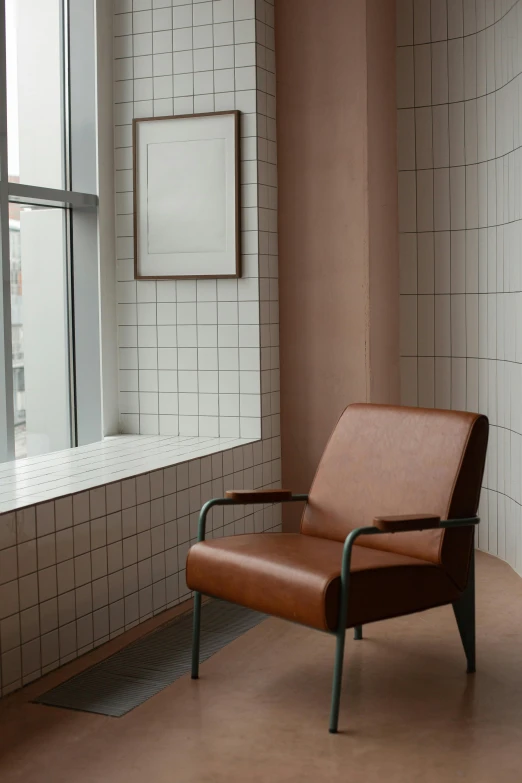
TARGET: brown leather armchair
(387,530)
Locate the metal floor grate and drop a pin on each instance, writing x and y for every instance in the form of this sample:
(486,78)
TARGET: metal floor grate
(132,675)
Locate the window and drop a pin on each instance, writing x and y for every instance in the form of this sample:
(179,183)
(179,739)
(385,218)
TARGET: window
(50,386)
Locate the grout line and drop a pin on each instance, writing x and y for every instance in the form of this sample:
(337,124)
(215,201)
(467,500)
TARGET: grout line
(467,35)
(483,162)
(417,198)
(443,103)
(450,401)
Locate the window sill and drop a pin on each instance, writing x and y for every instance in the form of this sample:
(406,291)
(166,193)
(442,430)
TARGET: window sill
(50,476)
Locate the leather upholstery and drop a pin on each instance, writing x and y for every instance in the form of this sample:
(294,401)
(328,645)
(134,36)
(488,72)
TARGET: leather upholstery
(381,461)
(387,461)
(297,578)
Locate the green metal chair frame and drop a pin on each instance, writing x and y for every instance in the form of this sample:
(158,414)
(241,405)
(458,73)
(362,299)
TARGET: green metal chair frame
(464,607)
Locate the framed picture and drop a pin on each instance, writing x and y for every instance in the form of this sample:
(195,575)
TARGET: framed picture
(186,196)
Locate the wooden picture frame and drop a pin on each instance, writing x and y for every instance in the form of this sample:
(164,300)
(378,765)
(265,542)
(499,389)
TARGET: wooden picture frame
(186,196)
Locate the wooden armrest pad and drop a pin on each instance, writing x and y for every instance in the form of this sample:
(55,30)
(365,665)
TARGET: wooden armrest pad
(259,495)
(406,522)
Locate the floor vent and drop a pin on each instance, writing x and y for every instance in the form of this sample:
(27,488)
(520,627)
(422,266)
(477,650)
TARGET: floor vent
(131,676)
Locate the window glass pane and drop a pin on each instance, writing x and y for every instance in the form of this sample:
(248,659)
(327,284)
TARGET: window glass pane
(39,316)
(35,93)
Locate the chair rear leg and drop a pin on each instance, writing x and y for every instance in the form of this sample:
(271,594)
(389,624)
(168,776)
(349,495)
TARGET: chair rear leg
(464,610)
(196,632)
(337,681)
(358,633)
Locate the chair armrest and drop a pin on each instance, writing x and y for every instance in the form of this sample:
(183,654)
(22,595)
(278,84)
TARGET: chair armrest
(245,496)
(259,495)
(406,522)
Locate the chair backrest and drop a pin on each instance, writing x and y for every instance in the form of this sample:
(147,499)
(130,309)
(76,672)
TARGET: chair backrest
(385,460)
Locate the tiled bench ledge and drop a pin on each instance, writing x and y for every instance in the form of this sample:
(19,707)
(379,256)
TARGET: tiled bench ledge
(94,540)
(50,476)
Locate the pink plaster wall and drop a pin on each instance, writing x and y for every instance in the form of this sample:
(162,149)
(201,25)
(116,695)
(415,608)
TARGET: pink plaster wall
(338,258)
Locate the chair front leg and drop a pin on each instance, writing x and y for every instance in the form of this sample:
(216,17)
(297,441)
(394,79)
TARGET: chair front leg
(196,618)
(464,609)
(341,626)
(196,632)
(337,680)
(341,623)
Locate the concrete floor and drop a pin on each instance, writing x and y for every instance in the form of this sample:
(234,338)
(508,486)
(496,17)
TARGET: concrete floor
(260,710)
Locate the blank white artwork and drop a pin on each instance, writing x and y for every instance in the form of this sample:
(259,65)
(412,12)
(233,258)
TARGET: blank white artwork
(192,218)
(186,199)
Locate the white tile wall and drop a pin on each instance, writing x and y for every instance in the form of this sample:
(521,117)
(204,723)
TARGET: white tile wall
(200,357)
(460,183)
(77,571)
(195,359)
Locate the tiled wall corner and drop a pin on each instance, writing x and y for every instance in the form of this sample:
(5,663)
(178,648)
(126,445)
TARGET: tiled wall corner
(459,79)
(195,358)
(199,357)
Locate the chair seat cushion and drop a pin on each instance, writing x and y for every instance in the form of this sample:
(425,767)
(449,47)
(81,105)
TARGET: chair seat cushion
(297,577)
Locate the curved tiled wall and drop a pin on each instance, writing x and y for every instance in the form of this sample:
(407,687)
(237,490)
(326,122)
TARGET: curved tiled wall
(459,75)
